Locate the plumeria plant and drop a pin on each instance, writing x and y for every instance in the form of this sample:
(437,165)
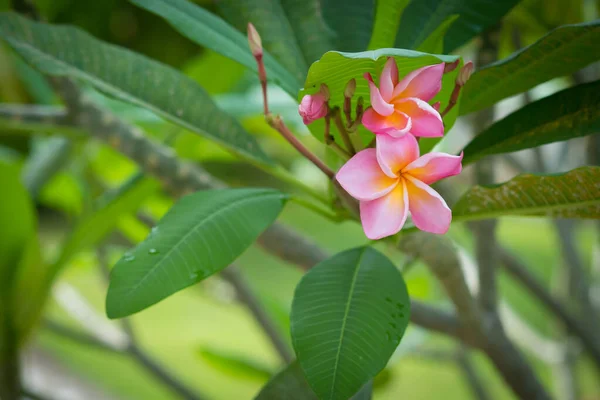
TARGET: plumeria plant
(376,89)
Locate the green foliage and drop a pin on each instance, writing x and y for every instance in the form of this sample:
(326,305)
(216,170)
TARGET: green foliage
(210,31)
(348,315)
(235,365)
(434,43)
(68,51)
(422,17)
(289,384)
(565,115)
(335,69)
(562,51)
(351,21)
(574,194)
(387,19)
(200,235)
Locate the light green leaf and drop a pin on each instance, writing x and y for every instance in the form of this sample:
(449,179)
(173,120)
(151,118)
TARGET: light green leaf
(387,19)
(274,28)
(210,31)
(561,52)
(289,384)
(348,315)
(235,365)
(335,69)
(202,234)
(68,51)
(574,194)
(421,18)
(434,43)
(565,115)
(351,21)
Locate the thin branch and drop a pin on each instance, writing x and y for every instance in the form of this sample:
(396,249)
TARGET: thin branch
(44,163)
(80,337)
(470,373)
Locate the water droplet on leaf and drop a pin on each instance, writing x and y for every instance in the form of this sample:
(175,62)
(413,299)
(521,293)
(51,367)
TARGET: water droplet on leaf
(393,325)
(389,299)
(129,257)
(153,251)
(194,275)
(388,336)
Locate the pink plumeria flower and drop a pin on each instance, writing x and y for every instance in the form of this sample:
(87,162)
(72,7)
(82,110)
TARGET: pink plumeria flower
(314,106)
(392,180)
(401,107)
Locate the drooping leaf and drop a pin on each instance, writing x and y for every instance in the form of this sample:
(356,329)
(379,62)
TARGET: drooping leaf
(348,315)
(387,19)
(202,234)
(565,115)
(423,17)
(274,28)
(335,69)
(208,30)
(289,384)
(235,365)
(351,21)
(561,52)
(574,194)
(434,43)
(68,51)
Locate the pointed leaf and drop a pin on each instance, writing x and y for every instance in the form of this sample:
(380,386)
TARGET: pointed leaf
(387,19)
(434,43)
(289,384)
(202,234)
(565,115)
(575,194)
(563,51)
(68,51)
(348,315)
(351,21)
(210,31)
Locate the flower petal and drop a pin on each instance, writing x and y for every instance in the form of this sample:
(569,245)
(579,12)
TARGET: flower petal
(425,120)
(381,106)
(429,211)
(434,166)
(393,154)
(386,215)
(399,123)
(388,79)
(423,83)
(362,177)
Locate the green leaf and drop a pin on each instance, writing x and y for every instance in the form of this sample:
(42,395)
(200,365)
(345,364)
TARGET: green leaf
(235,365)
(335,69)
(351,21)
(561,52)
(565,115)
(434,43)
(574,194)
(202,234)
(387,19)
(274,28)
(210,31)
(421,18)
(68,51)
(348,315)
(289,384)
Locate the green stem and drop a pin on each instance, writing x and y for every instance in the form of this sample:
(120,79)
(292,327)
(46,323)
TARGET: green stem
(319,210)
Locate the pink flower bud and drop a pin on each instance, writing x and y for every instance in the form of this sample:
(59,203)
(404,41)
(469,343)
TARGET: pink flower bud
(254,41)
(465,73)
(436,106)
(313,107)
(449,67)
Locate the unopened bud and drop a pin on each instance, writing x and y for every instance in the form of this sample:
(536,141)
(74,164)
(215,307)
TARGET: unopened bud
(324,90)
(449,67)
(465,73)
(436,106)
(313,107)
(254,41)
(350,88)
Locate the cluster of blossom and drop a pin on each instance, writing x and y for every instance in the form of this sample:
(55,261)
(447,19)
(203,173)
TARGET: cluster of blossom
(392,181)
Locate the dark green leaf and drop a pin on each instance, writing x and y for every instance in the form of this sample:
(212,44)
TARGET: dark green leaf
(212,32)
(561,52)
(348,315)
(202,234)
(274,28)
(575,194)
(422,17)
(387,19)
(351,21)
(289,384)
(568,114)
(335,69)
(68,51)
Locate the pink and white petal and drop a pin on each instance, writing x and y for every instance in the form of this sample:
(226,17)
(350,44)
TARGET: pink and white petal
(423,83)
(362,177)
(434,166)
(429,211)
(425,120)
(386,215)
(393,154)
(378,123)
(388,79)
(377,102)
